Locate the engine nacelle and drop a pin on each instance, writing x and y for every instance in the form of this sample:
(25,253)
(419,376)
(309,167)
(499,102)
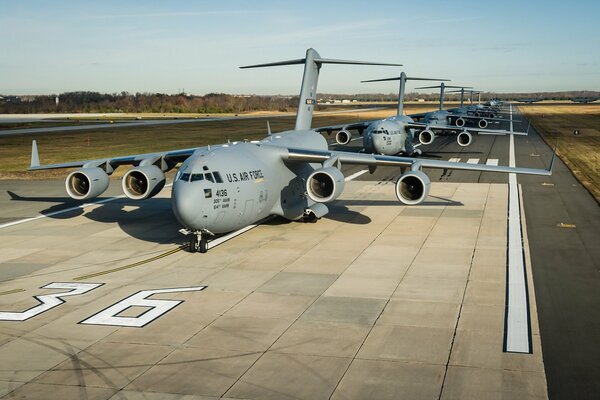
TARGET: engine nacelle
(460,122)
(482,123)
(464,138)
(86,183)
(413,187)
(491,115)
(343,137)
(325,184)
(426,136)
(143,182)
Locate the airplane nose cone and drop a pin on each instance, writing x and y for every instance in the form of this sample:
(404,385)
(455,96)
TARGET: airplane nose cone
(187,205)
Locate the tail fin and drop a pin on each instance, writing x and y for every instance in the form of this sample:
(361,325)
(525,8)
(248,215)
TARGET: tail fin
(35,158)
(403,78)
(442,86)
(308,91)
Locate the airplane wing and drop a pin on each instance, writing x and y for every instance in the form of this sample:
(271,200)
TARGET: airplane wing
(359,126)
(452,128)
(171,157)
(306,155)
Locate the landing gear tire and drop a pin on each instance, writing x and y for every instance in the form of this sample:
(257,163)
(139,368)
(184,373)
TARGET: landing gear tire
(194,244)
(203,248)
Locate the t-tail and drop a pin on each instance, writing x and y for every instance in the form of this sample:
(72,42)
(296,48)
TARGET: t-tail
(403,78)
(442,87)
(308,91)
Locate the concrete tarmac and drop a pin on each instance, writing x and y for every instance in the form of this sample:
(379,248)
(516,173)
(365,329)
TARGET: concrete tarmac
(358,305)
(376,300)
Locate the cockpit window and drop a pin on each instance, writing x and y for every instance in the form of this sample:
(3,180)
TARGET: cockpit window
(197,177)
(209,177)
(218,178)
(185,177)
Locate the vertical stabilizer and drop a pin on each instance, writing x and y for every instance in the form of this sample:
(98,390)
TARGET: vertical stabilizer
(35,158)
(442,87)
(308,91)
(403,78)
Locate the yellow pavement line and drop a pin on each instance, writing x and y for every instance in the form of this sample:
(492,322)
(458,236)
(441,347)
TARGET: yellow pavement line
(12,291)
(110,271)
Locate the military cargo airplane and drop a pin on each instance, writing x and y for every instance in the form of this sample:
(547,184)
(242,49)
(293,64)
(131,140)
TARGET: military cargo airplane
(395,135)
(584,100)
(292,174)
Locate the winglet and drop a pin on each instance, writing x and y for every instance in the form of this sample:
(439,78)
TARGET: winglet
(268,128)
(35,158)
(553,158)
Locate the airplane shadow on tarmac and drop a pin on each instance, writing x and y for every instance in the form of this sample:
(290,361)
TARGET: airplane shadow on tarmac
(152,219)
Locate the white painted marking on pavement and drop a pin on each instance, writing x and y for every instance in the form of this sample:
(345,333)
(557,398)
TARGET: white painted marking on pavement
(454,160)
(492,161)
(473,161)
(66,210)
(110,316)
(517,333)
(356,175)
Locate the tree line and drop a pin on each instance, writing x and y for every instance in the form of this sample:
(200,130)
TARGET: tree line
(95,102)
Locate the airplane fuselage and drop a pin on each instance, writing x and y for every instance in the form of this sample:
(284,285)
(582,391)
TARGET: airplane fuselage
(232,186)
(389,136)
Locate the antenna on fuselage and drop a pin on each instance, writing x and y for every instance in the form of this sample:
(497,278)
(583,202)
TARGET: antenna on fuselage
(442,86)
(308,91)
(403,78)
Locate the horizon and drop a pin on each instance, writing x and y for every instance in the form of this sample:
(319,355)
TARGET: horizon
(196,48)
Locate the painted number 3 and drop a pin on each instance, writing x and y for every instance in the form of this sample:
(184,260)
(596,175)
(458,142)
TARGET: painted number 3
(153,308)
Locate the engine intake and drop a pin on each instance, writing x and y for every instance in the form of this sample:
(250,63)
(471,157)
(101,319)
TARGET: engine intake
(464,139)
(86,183)
(412,187)
(143,182)
(482,123)
(426,136)
(460,122)
(325,184)
(343,137)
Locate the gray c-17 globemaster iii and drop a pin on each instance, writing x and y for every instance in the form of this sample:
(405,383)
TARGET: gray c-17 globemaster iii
(292,174)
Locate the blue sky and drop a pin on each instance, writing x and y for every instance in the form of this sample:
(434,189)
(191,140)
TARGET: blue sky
(164,46)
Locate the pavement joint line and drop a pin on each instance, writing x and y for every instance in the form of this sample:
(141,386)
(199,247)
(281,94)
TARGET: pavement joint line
(11,291)
(517,319)
(66,210)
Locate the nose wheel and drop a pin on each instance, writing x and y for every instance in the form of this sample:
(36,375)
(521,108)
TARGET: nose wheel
(199,243)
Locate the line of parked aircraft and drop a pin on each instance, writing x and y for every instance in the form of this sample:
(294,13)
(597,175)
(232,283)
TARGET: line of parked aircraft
(292,174)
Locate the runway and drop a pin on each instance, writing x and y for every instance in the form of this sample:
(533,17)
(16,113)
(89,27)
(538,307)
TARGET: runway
(377,300)
(146,122)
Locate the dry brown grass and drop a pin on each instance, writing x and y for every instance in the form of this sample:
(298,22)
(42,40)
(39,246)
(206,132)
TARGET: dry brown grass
(581,153)
(15,151)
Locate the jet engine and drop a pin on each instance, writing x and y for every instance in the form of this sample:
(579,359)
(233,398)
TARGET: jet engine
(143,182)
(464,139)
(86,183)
(491,115)
(426,136)
(460,122)
(482,123)
(412,187)
(325,184)
(343,137)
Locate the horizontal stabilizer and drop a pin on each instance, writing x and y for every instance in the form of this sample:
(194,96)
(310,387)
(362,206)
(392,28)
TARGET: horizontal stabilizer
(446,86)
(318,61)
(407,78)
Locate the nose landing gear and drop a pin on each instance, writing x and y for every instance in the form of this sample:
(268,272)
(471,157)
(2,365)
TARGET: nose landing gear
(198,240)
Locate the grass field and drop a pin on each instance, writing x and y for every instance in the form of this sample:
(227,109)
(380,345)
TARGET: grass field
(581,153)
(15,151)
